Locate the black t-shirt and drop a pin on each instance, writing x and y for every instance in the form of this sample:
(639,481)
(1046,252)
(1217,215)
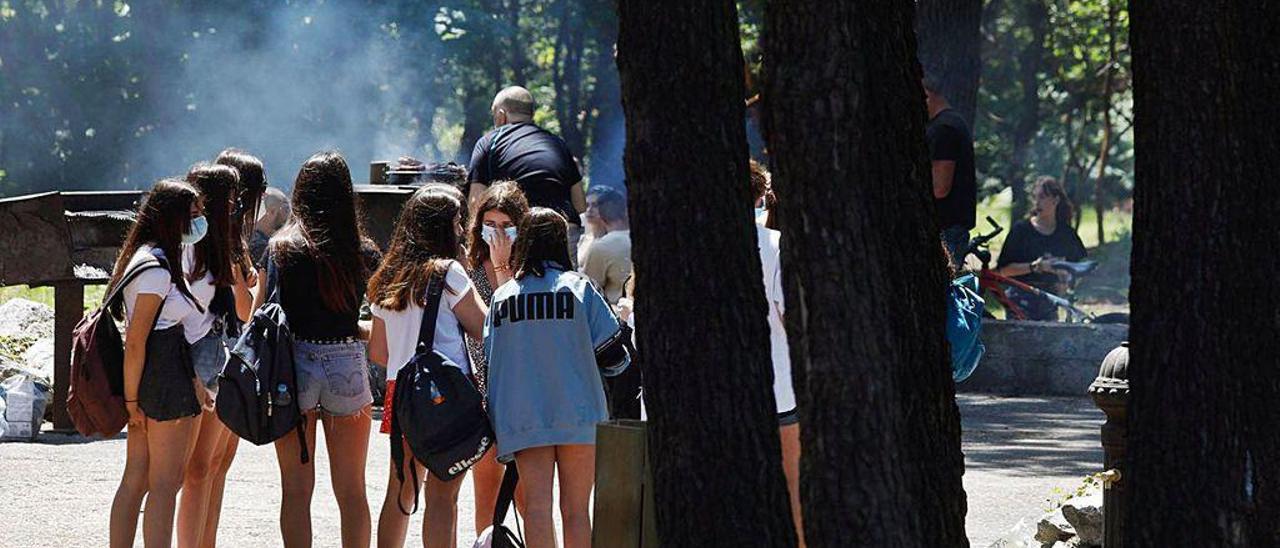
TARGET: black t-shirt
(308,316)
(258,249)
(1026,244)
(532,157)
(949,139)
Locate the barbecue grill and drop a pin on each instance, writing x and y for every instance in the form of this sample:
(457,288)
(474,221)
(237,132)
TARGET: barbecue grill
(68,240)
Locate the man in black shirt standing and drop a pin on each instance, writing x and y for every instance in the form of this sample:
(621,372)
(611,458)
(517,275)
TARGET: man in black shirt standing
(955,187)
(539,162)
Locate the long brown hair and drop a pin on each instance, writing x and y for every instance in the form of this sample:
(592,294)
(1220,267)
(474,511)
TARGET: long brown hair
(424,241)
(253,184)
(1065,212)
(163,218)
(543,238)
(506,197)
(217,184)
(326,229)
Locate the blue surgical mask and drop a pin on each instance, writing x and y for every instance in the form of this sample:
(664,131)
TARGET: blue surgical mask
(199,227)
(487,233)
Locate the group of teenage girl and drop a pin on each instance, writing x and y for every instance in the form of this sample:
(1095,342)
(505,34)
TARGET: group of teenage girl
(544,391)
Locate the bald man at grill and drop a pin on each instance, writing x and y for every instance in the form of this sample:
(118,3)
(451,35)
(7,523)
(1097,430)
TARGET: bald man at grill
(538,161)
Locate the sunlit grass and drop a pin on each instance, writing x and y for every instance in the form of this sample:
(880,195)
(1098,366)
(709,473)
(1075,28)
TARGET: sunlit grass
(44,295)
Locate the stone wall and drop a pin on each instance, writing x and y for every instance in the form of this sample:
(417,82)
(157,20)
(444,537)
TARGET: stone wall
(1041,358)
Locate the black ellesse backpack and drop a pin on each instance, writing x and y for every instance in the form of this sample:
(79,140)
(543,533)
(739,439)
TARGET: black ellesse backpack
(436,409)
(258,388)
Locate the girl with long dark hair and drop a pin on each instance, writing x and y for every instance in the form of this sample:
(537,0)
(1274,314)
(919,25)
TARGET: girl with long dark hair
(502,207)
(546,394)
(162,393)
(319,263)
(220,276)
(426,243)
(1036,243)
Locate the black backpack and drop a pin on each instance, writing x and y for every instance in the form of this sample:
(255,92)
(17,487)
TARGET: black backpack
(436,409)
(258,388)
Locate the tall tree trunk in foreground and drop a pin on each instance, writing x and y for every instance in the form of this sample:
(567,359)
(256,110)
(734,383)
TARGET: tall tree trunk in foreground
(1204,446)
(950,44)
(713,430)
(865,276)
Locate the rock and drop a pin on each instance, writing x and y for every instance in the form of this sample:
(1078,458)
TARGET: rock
(1021,535)
(1085,516)
(39,359)
(20,318)
(1053,528)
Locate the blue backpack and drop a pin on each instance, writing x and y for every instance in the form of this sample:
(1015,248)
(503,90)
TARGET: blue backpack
(964,326)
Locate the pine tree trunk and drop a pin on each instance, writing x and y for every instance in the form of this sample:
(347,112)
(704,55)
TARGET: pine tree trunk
(702,334)
(1204,449)
(950,47)
(865,276)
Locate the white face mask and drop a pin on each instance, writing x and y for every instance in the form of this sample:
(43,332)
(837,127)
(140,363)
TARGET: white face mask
(196,231)
(488,233)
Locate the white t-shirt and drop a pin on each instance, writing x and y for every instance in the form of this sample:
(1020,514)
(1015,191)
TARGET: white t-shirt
(769,241)
(196,325)
(402,326)
(156,281)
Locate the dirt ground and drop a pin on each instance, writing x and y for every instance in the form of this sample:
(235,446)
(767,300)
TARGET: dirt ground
(57,492)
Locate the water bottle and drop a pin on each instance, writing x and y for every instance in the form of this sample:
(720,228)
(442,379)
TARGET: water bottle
(436,397)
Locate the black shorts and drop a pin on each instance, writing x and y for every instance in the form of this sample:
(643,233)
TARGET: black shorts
(166,392)
(788,418)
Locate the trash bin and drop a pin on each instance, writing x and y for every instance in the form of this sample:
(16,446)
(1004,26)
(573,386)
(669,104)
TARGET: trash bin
(624,515)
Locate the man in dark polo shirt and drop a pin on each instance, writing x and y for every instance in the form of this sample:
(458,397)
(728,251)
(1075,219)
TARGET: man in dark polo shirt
(539,162)
(955,187)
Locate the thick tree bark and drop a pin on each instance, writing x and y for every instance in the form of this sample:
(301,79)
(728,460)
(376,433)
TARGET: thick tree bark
(1204,447)
(1030,63)
(950,35)
(713,430)
(865,276)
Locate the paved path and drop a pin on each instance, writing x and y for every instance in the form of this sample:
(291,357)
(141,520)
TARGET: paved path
(58,492)
(1018,451)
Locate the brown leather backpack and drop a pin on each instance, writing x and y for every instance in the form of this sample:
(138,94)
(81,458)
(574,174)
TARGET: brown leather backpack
(95,399)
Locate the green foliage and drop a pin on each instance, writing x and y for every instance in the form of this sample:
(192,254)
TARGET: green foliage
(1060,496)
(99,81)
(1071,97)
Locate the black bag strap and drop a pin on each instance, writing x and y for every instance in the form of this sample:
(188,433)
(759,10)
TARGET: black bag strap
(506,494)
(397,457)
(430,312)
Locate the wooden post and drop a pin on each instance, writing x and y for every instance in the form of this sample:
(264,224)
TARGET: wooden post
(68,306)
(1111,392)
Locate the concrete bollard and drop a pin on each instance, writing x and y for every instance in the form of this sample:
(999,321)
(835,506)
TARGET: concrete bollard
(1110,391)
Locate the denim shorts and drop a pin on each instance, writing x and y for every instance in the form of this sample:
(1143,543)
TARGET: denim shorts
(165,391)
(332,377)
(208,355)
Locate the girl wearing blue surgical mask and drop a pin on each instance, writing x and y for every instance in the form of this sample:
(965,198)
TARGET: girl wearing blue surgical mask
(219,273)
(493,230)
(161,394)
